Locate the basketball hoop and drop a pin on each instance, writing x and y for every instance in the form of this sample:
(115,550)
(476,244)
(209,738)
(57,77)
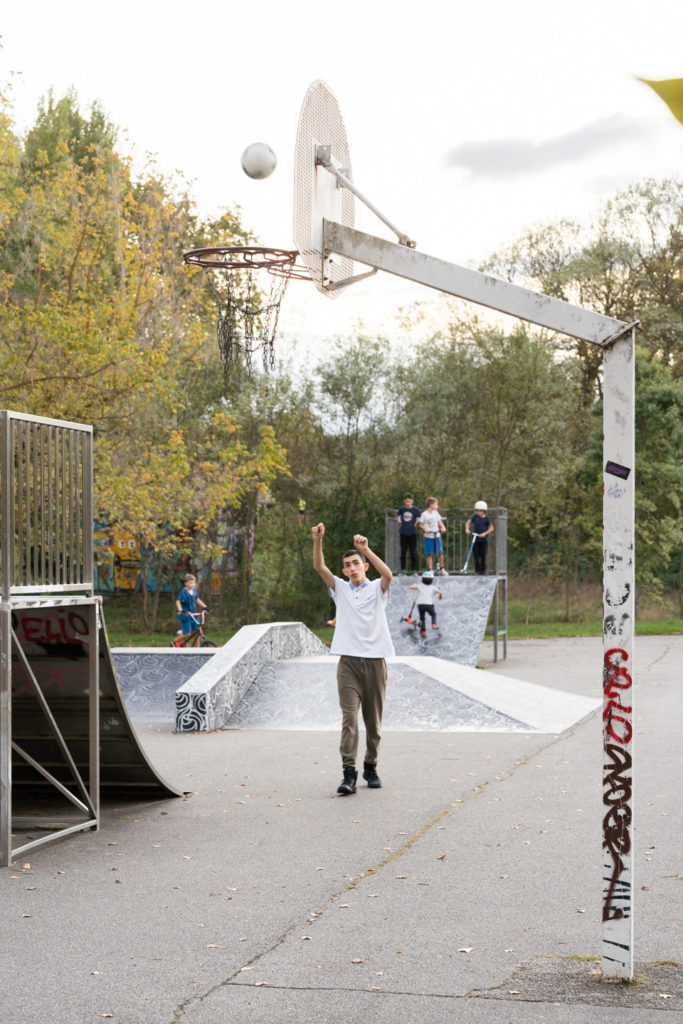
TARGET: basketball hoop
(245,323)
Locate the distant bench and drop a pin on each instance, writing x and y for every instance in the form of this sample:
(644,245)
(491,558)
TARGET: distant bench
(207,700)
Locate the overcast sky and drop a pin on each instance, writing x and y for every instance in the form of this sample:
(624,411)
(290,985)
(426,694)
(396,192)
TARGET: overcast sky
(466,122)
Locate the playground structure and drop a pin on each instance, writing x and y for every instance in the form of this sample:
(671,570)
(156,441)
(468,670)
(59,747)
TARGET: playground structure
(65,735)
(457,550)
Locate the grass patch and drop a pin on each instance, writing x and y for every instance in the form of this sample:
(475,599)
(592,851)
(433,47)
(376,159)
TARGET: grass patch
(591,627)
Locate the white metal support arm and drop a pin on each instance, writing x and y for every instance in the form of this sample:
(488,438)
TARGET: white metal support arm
(472,285)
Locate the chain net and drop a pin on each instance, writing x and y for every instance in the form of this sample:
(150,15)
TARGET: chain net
(245,324)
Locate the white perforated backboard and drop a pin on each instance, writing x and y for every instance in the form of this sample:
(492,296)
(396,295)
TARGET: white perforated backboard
(316,192)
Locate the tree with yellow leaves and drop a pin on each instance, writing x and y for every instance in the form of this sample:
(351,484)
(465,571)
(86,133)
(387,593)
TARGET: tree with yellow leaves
(102,323)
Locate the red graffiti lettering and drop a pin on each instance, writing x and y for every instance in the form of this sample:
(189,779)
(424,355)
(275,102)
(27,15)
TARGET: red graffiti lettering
(615,676)
(626,729)
(32,629)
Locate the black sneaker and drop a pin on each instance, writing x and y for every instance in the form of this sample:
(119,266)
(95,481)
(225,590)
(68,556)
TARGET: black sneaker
(348,783)
(371,777)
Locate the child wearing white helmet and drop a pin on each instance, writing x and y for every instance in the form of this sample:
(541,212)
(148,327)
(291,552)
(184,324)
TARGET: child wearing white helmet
(480,525)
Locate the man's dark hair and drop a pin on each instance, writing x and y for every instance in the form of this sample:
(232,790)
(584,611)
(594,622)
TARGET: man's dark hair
(350,554)
(408,495)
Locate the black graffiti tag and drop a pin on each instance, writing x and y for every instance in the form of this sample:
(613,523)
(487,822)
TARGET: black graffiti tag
(616,826)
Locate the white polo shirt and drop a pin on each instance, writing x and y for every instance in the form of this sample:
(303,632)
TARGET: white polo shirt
(361,629)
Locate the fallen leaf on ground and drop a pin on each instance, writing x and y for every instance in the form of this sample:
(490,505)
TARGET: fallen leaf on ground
(465,949)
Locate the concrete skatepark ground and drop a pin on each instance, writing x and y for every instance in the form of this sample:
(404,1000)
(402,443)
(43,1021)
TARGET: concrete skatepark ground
(468,889)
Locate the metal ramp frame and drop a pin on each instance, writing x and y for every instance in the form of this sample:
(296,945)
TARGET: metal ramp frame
(64,732)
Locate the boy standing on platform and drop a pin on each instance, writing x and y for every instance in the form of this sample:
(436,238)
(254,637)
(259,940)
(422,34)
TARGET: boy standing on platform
(407,517)
(433,525)
(362,641)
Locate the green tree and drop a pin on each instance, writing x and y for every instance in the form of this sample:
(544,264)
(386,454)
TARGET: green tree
(659,475)
(627,263)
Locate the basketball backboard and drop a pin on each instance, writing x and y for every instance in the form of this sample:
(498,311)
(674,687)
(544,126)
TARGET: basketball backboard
(317,193)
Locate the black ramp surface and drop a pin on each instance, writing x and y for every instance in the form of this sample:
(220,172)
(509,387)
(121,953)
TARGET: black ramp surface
(55,643)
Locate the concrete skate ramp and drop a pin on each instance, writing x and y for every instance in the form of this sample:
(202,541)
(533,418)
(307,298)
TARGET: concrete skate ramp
(55,643)
(423,695)
(462,615)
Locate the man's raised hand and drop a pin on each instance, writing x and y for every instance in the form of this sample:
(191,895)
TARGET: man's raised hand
(318,531)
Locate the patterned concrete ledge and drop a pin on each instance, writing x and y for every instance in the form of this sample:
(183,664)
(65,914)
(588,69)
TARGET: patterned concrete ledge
(207,700)
(150,676)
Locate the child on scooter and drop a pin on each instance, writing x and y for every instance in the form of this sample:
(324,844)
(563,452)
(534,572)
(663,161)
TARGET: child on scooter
(425,599)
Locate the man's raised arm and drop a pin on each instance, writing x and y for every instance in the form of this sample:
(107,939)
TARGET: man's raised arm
(360,543)
(326,576)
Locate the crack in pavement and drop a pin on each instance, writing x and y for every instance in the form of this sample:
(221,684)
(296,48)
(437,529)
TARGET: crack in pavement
(477,791)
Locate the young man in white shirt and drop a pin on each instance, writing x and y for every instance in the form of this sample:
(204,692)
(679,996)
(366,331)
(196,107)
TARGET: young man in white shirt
(362,641)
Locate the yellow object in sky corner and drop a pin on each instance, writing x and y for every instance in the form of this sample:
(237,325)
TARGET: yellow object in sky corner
(671,91)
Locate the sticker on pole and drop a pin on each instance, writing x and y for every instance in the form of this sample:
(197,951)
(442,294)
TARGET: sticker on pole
(616,470)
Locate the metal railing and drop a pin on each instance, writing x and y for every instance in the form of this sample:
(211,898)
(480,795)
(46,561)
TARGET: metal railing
(46,489)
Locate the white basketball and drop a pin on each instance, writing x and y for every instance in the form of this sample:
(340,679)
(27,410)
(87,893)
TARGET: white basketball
(258,160)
